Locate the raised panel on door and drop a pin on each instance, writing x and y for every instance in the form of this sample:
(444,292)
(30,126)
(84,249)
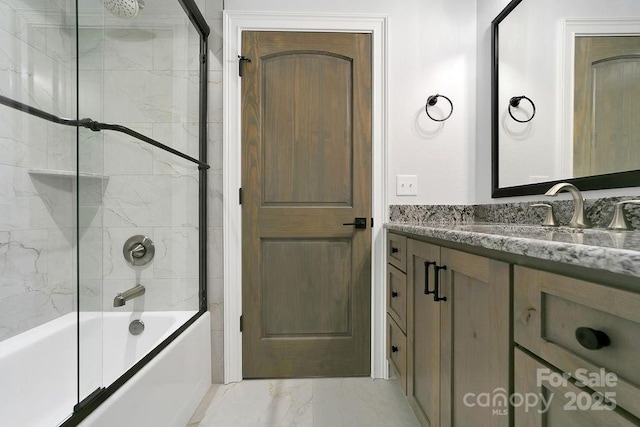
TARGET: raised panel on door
(607,89)
(320,170)
(306,171)
(320,302)
(476,339)
(423,333)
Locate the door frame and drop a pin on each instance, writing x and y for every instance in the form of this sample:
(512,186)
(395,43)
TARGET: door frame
(234,23)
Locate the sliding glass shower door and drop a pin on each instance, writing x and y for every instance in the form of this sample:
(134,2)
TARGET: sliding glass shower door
(141,73)
(102,196)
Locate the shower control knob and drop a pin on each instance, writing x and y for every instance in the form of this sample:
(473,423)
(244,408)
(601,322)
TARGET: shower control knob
(138,250)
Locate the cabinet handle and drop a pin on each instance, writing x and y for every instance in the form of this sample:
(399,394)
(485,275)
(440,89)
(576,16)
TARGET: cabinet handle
(394,250)
(426,277)
(436,290)
(592,339)
(394,349)
(394,294)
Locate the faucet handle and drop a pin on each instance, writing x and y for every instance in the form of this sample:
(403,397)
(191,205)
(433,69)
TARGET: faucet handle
(549,219)
(619,220)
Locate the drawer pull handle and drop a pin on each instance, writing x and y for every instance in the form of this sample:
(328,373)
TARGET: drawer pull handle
(394,349)
(592,339)
(394,294)
(436,290)
(426,277)
(394,250)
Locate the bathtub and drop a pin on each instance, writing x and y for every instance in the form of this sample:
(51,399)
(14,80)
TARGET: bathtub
(39,370)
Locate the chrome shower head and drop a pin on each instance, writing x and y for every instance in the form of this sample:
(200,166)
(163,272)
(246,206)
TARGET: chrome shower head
(124,8)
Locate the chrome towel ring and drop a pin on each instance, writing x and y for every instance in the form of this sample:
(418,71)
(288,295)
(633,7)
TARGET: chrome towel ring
(515,102)
(433,100)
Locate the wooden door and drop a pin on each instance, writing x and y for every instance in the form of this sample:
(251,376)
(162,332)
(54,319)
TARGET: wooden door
(476,339)
(607,105)
(423,333)
(306,171)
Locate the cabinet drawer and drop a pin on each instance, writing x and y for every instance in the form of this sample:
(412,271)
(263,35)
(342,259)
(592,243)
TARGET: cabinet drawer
(549,309)
(397,251)
(397,352)
(555,402)
(397,296)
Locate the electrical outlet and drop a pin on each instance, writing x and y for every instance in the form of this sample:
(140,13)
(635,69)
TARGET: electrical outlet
(406,185)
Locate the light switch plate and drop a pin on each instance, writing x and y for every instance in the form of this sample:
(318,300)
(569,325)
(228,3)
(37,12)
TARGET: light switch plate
(406,185)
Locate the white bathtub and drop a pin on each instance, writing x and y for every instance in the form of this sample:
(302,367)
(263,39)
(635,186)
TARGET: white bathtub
(38,370)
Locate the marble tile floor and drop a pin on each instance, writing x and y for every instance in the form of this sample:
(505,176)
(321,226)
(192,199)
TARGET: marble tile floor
(317,402)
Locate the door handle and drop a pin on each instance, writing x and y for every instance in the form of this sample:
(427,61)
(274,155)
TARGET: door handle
(436,291)
(359,223)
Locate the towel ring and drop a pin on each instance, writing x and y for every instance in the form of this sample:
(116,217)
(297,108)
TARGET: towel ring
(515,102)
(433,100)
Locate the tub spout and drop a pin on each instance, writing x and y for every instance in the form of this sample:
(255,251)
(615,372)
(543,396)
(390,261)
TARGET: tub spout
(122,297)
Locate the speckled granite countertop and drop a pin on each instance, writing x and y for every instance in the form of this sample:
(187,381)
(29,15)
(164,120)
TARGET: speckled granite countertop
(618,252)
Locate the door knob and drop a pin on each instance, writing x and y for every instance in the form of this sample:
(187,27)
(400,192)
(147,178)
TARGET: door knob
(359,223)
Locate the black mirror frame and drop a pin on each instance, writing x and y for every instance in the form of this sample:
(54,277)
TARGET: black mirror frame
(594,182)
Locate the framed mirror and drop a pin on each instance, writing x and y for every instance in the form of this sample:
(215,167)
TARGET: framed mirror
(565,95)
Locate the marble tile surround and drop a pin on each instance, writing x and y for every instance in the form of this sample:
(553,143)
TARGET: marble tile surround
(148,192)
(330,402)
(39,35)
(599,211)
(37,221)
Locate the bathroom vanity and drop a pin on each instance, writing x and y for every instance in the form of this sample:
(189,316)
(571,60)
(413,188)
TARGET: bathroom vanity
(485,321)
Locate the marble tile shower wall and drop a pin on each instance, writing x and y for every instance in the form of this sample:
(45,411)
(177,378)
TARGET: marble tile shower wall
(143,74)
(37,228)
(147,191)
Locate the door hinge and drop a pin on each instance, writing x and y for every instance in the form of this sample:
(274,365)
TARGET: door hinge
(242,60)
(371,222)
(240,195)
(241,324)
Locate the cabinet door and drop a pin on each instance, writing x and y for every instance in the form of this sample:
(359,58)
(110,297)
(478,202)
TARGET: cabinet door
(543,399)
(423,318)
(548,310)
(475,343)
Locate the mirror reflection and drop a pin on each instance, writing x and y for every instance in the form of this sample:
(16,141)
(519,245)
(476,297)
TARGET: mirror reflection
(577,63)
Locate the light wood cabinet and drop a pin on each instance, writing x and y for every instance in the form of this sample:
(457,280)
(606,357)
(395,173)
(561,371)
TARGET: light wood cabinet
(551,312)
(547,401)
(475,338)
(458,335)
(479,330)
(423,364)
(397,295)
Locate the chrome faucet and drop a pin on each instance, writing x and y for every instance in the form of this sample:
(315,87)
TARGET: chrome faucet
(122,297)
(579,219)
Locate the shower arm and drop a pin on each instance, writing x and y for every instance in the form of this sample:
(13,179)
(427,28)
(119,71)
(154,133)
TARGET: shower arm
(96,127)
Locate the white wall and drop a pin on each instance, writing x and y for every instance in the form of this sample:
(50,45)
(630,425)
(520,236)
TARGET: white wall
(431,50)
(545,124)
